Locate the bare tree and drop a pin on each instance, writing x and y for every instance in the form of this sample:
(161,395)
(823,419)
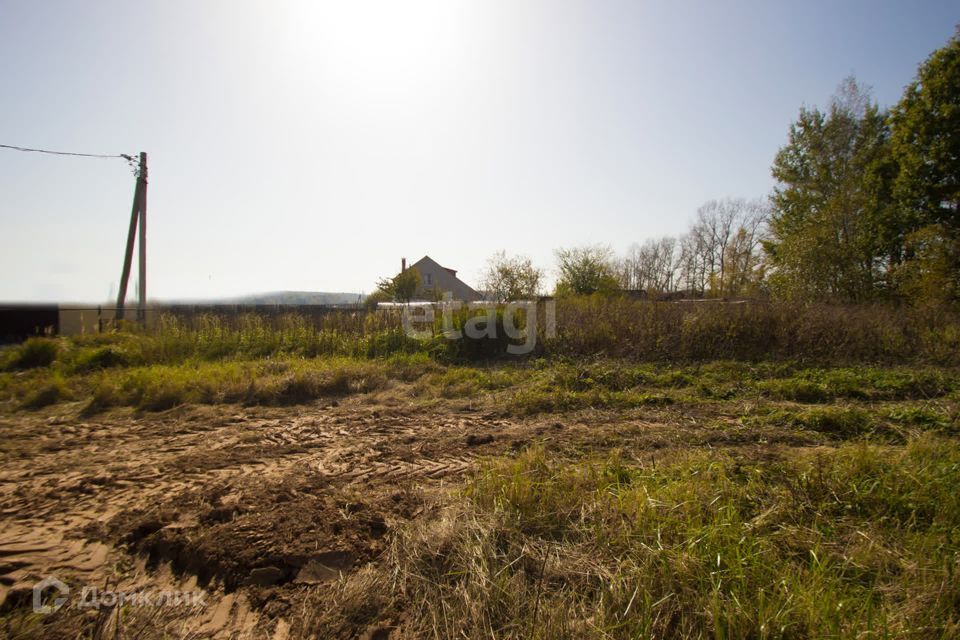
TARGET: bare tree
(720,255)
(695,266)
(650,266)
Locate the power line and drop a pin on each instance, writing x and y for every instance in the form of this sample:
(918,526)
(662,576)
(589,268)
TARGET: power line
(126,157)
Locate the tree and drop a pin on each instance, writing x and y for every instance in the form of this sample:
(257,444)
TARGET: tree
(926,147)
(586,270)
(402,287)
(694,270)
(742,267)
(832,235)
(721,255)
(926,139)
(931,275)
(513,278)
(376,298)
(651,266)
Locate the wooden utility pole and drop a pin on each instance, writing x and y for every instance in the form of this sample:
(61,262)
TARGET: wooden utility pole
(138,213)
(142,295)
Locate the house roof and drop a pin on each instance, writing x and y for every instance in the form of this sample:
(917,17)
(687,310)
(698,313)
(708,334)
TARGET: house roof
(452,272)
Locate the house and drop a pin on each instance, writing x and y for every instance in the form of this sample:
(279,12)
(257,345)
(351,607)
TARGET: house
(436,281)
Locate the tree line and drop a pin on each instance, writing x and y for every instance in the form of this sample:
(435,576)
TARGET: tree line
(867,204)
(866,207)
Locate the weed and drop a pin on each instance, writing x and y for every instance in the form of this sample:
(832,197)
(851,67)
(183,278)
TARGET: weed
(843,544)
(35,353)
(102,357)
(51,392)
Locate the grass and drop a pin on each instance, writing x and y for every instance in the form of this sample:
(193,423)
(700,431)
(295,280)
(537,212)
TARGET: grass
(151,372)
(755,331)
(33,353)
(555,386)
(265,382)
(845,527)
(638,331)
(50,392)
(857,542)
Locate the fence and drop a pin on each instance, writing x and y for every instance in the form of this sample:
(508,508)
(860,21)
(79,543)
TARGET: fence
(20,321)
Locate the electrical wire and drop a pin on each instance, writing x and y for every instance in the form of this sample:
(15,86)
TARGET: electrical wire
(125,156)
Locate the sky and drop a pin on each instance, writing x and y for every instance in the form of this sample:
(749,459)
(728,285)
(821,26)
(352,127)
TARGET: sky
(310,145)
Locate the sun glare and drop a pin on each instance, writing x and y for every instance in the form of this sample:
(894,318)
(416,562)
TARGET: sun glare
(376,49)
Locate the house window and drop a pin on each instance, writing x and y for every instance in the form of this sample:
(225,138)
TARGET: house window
(429,279)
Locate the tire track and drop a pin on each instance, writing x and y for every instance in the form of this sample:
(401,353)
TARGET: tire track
(67,475)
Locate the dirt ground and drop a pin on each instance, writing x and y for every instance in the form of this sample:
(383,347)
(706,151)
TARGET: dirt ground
(254,506)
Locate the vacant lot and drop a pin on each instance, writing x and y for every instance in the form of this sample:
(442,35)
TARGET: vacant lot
(400,497)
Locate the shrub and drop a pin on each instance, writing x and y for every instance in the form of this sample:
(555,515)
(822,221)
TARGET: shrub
(35,352)
(105,395)
(752,331)
(49,393)
(102,358)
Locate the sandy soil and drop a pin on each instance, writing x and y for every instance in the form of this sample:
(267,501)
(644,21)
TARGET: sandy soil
(251,505)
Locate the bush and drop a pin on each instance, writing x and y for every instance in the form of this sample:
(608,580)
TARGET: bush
(753,331)
(50,393)
(102,358)
(615,327)
(35,352)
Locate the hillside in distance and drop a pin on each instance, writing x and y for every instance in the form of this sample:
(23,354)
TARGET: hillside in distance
(285,297)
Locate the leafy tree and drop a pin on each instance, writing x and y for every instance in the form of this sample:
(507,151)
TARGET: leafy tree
(586,270)
(513,278)
(375,298)
(931,275)
(743,270)
(831,228)
(402,287)
(926,139)
(926,147)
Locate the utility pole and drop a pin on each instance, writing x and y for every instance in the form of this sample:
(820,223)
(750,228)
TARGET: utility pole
(142,295)
(138,214)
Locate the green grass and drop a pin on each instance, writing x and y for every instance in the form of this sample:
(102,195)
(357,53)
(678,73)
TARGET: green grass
(555,386)
(50,392)
(467,382)
(33,353)
(840,421)
(264,382)
(857,542)
(152,373)
(853,537)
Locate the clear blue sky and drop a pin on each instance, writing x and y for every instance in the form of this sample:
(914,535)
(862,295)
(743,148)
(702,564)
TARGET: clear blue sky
(310,145)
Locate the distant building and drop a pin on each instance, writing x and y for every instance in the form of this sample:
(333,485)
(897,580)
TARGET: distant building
(437,281)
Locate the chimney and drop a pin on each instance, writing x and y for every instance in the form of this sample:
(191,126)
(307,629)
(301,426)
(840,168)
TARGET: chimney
(403,265)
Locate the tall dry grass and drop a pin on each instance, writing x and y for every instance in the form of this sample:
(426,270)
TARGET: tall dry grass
(859,542)
(757,330)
